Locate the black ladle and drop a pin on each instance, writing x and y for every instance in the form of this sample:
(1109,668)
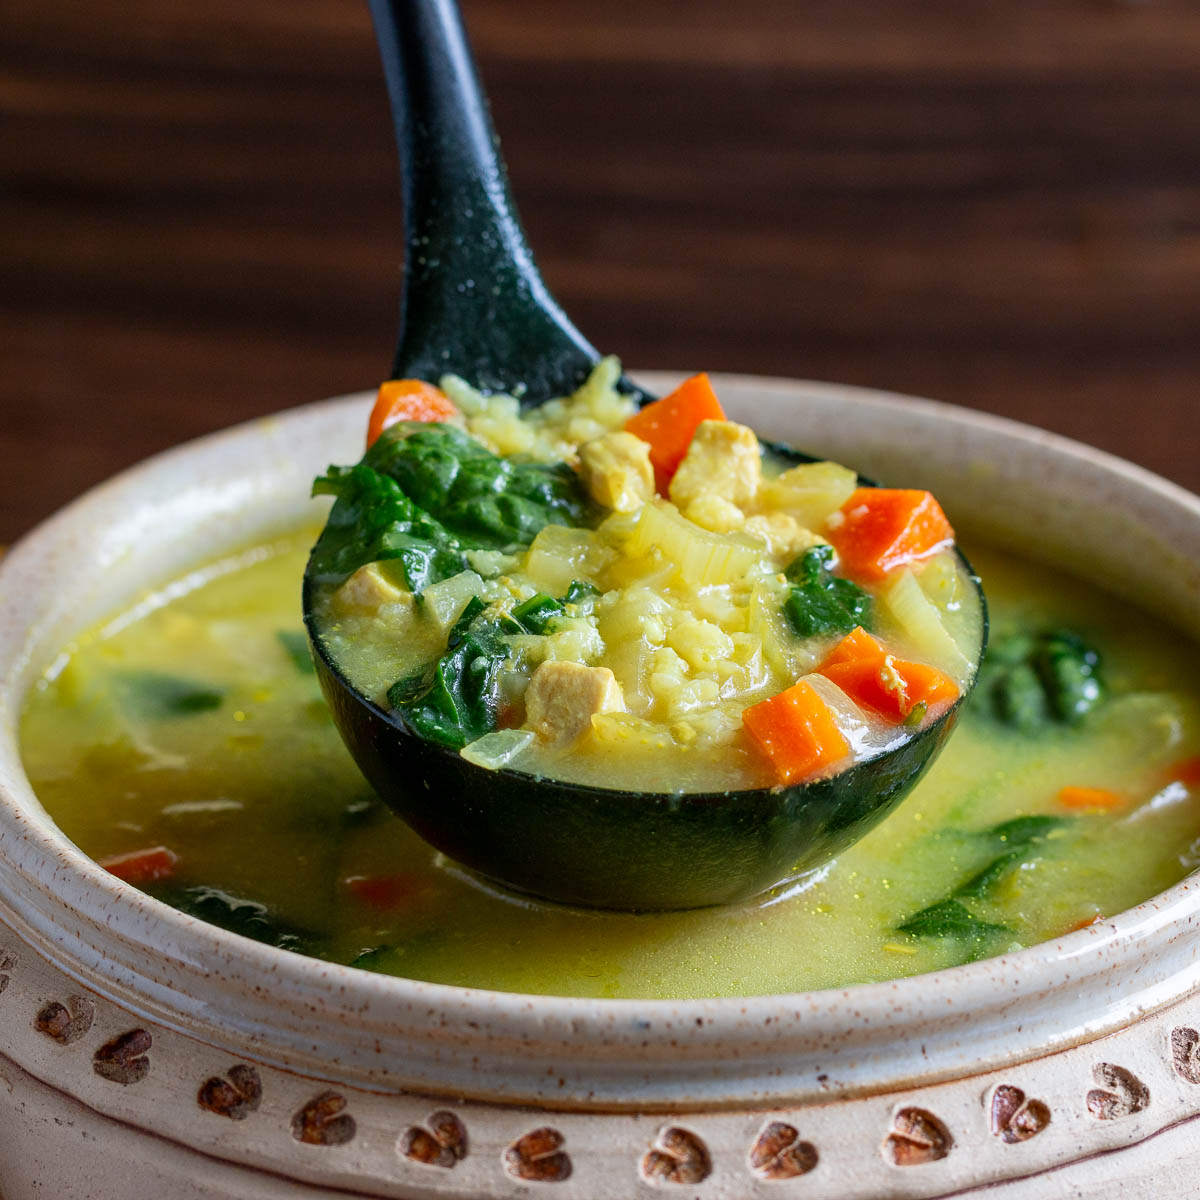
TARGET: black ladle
(474,304)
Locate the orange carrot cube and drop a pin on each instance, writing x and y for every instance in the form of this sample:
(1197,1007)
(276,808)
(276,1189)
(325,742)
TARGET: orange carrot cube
(889,686)
(857,644)
(797,731)
(1090,797)
(668,424)
(386,893)
(880,529)
(142,866)
(408,400)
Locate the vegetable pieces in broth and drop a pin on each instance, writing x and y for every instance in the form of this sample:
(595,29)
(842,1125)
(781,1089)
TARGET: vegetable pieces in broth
(651,598)
(251,815)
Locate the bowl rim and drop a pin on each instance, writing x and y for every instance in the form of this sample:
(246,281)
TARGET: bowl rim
(613,1053)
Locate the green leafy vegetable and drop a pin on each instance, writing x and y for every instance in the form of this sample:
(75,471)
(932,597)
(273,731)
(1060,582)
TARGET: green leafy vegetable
(984,882)
(238,915)
(1070,671)
(536,613)
(821,602)
(157,694)
(1032,681)
(384,504)
(1019,840)
(1021,837)
(1024,831)
(488,502)
(374,958)
(372,520)
(295,644)
(951,919)
(454,699)
(581,592)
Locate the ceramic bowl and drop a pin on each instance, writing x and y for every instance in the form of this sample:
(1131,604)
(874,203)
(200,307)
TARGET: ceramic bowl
(145,1053)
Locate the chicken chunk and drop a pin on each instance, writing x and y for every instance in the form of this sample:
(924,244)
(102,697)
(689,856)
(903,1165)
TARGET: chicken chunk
(722,460)
(784,535)
(563,696)
(368,590)
(616,471)
(716,514)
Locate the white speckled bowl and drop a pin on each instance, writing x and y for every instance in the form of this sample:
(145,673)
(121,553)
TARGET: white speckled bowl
(145,1053)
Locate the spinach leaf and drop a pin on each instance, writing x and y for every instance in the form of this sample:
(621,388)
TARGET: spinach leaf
(454,699)
(237,915)
(1070,673)
(372,520)
(536,613)
(1023,831)
(581,592)
(295,645)
(821,602)
(374,958)
(1021,838)
(157,694)
(951,919)
(489,502)
(384,504)
(984,882)
(1034,681)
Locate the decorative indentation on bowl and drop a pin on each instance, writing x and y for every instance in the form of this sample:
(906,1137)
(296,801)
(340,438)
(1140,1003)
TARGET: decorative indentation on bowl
(917,1137)
(440,1142)
(235,1096)
(323,1121)
(1016,1117)
(65,1023)
(1185,1053)
(539,1157)
(1121,1093)
(8,963)
(778,1153)
(677,1156)
(123,1059)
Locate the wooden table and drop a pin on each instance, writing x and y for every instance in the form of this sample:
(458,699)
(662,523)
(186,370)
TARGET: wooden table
(993,204)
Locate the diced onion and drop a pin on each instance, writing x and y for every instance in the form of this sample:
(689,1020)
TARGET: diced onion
(496,750)
(700,557)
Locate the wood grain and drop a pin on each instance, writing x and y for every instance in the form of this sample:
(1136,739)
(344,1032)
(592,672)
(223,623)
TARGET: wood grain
(993,204)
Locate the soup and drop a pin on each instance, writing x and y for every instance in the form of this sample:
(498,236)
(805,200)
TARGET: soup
(185,743)
(650,601)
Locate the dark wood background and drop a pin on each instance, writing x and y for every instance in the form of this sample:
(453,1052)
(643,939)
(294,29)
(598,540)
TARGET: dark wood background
(997,204)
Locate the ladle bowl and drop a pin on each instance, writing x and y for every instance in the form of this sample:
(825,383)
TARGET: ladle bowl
(473,303)
(611,848)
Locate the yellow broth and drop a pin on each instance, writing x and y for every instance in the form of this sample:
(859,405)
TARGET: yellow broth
(189,722)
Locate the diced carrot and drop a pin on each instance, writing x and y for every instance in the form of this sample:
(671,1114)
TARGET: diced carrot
(880,529)
(668,424)
(1094,919)
(408,400)
(926,685)
(1090,797)
(1186,772)
(892,687)
(797,731)
(869,683)
(390,892)
(858,643)
(142,866)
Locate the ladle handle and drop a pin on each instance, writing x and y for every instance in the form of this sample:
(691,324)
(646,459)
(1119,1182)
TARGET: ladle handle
(472,300)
